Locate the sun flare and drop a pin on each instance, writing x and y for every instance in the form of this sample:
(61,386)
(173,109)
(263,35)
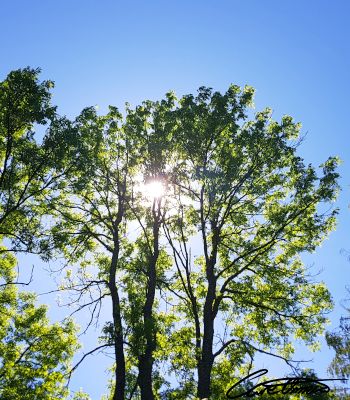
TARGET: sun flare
(154,189)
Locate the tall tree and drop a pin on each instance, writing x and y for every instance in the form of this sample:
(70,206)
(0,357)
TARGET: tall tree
(256,207)
(101,196)
(34,354)
(149,123)
(90,211)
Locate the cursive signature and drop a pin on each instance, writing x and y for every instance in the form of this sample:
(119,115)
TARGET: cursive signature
(291,385)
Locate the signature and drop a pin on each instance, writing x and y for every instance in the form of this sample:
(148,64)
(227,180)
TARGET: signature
(281,385)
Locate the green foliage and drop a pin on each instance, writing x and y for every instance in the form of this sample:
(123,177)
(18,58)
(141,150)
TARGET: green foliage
(24,164)
(34,354)
(234,183)
(257,207)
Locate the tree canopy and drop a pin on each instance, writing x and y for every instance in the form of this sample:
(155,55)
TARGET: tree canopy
(223,183)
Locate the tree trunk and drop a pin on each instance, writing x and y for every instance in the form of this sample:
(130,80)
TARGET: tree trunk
(204,372)
(146,359)
(119,390)
(205,364)
(145,376)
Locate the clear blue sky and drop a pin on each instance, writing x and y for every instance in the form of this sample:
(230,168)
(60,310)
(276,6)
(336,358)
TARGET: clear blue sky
(294,52)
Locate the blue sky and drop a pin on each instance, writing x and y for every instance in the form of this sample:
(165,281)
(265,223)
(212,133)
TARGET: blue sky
(295,53)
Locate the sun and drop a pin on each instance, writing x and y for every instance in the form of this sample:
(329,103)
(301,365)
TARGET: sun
(154,189)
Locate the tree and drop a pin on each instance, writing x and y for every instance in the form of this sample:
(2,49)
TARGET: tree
(240,184)
(89,209)
(256,206)
(35,355)
(149,126)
